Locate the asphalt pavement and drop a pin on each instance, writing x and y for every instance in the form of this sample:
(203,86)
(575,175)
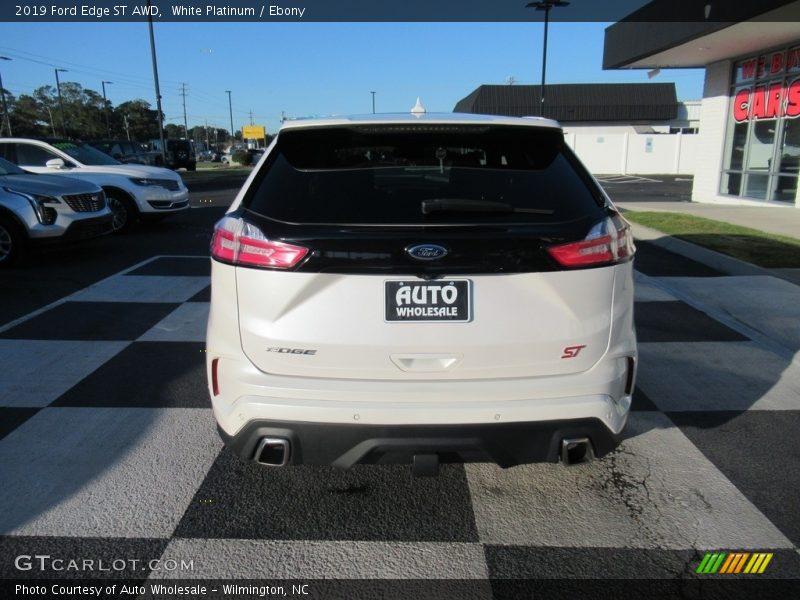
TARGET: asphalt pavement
(108,447)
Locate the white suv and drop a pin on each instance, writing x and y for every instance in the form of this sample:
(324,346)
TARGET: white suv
(132,191)
(421,289)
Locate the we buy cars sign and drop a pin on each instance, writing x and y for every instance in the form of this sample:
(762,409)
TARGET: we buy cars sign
(768,100)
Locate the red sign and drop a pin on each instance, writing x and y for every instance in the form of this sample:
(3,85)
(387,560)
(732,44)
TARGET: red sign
(767,101)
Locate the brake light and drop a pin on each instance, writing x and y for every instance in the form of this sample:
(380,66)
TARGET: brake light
(238,242)
(608,242)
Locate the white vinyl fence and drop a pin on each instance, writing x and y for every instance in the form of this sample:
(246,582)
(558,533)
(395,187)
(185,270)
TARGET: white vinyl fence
(635,154)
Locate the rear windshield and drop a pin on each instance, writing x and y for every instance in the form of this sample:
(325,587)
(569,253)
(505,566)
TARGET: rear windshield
(391,175)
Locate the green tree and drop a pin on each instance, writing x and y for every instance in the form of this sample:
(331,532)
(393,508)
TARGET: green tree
(142,122)
(173,131)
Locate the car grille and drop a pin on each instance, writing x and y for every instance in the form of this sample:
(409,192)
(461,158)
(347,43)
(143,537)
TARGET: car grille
(86,202)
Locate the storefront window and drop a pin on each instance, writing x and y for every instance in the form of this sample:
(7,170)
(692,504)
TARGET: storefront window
(762,149)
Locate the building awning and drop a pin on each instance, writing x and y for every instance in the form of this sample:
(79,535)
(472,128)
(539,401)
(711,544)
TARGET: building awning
(666,33)
(576,102)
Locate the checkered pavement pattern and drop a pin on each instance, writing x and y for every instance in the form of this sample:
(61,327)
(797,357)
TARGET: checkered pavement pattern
(108,448)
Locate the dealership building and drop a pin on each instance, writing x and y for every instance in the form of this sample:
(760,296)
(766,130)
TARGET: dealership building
(749,135)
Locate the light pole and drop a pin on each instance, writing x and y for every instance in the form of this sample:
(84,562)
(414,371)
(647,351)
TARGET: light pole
(158,90)
(105,107)
(61,103)
(373,102)
(230,110)
(545,5)
(5,106)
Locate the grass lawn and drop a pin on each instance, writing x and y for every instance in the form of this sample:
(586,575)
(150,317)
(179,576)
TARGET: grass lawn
(751,245)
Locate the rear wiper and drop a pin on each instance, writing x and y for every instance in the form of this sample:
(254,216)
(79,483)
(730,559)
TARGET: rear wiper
(466,205)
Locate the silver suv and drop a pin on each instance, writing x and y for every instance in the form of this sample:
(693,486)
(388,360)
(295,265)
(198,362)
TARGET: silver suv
(41,209)
(421,289)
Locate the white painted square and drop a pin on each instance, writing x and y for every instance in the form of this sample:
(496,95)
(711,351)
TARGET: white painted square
(717,376)
(187,323)
(104,472)
(36,372)
(142,288)
(656,491)
(268,559)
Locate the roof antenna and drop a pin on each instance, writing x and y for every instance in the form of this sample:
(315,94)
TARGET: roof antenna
(418,109)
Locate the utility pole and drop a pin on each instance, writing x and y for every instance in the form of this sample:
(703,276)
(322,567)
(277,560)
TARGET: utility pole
(185,124)
(230,110)
(105,107)
(127,126)
(52,123)
(283,116)
(208,146)
(373,102)
(155,79)
(5,106)
(61,103)
(251,116)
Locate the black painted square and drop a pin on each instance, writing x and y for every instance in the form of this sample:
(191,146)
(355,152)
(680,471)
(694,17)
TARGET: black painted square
(641,401)
(92,321)
(203,295)
(176,265)
(12,417)
(655,261)
(241,499)
(679,322)
(146,374)
(759,451)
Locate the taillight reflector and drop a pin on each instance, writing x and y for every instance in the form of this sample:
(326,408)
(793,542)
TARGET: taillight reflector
(240,243)
(214,380)
(608,242)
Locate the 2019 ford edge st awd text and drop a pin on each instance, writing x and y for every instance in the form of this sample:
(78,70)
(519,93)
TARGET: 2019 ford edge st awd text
(423,289)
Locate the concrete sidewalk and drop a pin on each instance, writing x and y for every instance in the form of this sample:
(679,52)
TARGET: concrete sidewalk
(772,219)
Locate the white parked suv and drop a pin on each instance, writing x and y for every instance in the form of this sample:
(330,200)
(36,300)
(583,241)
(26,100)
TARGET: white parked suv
(421,289)
(133,191)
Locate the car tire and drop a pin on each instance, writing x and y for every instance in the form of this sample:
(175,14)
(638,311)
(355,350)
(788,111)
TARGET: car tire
(123,211)
(12,242)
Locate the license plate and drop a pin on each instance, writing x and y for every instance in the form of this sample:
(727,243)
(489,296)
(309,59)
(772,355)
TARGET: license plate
(445,300)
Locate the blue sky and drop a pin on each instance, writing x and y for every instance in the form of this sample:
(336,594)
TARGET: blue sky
(309,68)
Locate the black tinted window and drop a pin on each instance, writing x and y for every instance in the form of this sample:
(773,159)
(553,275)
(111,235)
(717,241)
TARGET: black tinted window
(29,155)
(384,174)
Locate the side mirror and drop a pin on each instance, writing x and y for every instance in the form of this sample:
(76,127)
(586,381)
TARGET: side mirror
(55,163)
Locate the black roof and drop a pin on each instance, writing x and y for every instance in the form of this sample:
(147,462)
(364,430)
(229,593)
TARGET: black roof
(571,102)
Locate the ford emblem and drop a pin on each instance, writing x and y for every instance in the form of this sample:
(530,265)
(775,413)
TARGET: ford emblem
(426,251)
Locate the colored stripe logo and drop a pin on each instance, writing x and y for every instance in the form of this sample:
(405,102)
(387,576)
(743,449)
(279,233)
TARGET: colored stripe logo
(734,563)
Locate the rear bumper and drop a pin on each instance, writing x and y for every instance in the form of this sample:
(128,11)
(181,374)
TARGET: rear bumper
(344,445)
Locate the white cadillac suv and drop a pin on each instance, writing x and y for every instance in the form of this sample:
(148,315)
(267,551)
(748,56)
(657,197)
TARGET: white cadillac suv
(132,191)
(421,289)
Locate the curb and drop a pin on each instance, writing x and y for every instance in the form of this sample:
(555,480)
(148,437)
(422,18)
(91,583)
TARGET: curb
(710,258)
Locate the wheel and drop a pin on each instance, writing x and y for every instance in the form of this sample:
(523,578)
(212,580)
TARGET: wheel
(123,211)
(12,242)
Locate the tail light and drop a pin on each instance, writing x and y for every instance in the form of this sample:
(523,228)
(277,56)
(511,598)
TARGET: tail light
(608,242)
(238,242)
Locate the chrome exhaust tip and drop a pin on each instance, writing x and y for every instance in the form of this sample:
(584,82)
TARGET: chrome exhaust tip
(273,452)
(576,450)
